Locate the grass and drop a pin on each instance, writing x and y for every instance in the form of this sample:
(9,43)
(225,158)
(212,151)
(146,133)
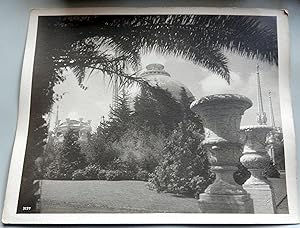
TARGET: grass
(122,197)
(110,197)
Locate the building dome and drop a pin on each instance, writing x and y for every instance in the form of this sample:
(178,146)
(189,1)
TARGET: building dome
(157,76)
(80,127)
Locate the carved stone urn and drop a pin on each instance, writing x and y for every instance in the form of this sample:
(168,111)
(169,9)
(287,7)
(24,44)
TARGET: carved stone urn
(274,141)
(221,115)
(256,158)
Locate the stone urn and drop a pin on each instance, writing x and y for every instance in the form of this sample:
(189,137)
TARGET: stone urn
(256,158)
(221,115)
(274,141)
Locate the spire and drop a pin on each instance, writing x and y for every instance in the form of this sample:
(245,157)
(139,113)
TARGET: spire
(56,119)
(261,115)
(271,110)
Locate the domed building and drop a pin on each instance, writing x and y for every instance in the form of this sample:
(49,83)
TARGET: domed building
(155,75)
(80,127)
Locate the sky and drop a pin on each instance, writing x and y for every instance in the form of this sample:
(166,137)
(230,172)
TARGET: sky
(95,102)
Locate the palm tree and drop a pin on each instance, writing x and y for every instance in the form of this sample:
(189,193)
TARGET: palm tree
(200,39)
(85,42)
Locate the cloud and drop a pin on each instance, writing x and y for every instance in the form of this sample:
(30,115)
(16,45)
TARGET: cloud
(214,84)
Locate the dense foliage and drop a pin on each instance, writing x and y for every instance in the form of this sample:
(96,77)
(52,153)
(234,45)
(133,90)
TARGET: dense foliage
(184,168)
(157,110)
(67,160)
(166,150)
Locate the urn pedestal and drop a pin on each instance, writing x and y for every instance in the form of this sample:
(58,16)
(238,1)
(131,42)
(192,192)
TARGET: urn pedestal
(221,115)
(255,158)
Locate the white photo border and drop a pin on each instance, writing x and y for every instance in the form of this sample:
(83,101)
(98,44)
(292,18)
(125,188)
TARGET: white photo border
(10,215)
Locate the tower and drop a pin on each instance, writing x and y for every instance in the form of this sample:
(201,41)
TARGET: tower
(272,136)
(56,118)
(271,111)
(261,117)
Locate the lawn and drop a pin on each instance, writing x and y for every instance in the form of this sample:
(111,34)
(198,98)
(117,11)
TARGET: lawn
(122,197)
(109,196)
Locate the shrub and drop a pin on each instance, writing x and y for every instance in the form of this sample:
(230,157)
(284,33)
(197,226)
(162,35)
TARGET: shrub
(79,174)
(71,158)
(184,168)
(140,149)
(88,173)
(51,172)
(142,175)
(199,183)
(114,175)
(102,174)
(159,179)
(126,170)
(91,171)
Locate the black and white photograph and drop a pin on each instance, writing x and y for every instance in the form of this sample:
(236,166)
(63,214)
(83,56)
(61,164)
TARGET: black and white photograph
(177,111)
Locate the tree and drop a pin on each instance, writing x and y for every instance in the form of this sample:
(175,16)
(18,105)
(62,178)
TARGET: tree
(198,38)
(51,157)
(184,168)
(119,117)
(141,148)
(146,115)
(65,158)
(102,148)
(87,147)
(157,110)
(76,42)
(71,157)
(188,114)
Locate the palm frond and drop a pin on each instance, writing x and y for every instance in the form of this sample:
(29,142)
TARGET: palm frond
(247,35)
(197,38)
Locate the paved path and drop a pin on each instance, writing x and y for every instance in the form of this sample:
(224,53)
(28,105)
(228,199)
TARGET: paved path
(279,187)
